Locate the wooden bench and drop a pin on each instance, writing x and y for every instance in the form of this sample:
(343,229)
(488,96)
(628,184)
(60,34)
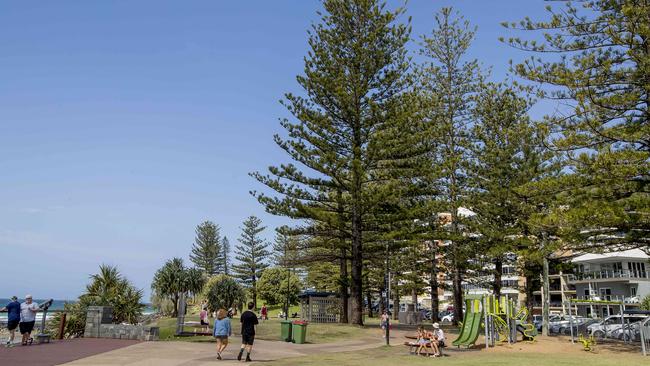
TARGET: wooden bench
(413,346)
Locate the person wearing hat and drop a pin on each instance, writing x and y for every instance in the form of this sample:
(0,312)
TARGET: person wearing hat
(438,340)
(13,318)
(28,311)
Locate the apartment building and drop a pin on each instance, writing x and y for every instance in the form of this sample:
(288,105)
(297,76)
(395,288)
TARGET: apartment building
(617,276)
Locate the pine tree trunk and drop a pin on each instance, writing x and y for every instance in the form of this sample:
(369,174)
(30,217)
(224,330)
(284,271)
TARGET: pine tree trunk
(343,263)
(498,274)
(369,301)
(458,295)
(356,287)
(254,288)
(546,298)
(433,283)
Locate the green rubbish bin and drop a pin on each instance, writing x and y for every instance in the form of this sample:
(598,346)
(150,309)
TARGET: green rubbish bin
(299,330)
(285,330)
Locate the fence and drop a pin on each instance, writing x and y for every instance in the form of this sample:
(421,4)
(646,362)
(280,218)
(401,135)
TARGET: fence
(645,336)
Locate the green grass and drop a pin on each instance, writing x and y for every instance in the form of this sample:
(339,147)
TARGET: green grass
(389,356)
(269,330)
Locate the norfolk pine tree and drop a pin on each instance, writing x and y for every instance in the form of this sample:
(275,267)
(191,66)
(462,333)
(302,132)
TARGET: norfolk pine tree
(449,82)
(251,254)
(206,249)
(598,64)
(347,135)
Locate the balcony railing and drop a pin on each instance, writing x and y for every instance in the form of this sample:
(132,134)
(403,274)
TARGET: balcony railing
(606,274)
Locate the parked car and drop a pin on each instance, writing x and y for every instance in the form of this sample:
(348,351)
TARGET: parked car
(627,333)
(449,318)
(610,324)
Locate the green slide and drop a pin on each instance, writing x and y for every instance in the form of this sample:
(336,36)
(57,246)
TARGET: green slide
(474,331)
(468,321)
(462,331)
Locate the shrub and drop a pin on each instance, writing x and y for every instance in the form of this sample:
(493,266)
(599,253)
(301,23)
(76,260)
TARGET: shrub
(223,292)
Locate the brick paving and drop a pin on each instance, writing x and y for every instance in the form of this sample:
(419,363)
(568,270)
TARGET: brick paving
(59,352)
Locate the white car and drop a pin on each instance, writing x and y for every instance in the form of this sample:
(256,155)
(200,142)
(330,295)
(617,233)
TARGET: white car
(610,324)
(448,318)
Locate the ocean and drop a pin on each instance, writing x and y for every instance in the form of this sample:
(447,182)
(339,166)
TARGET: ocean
(57,305)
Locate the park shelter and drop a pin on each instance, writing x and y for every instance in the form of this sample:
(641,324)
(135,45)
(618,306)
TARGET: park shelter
(319,307)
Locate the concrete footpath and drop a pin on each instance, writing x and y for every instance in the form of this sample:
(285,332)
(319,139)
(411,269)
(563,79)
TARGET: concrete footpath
(198,353)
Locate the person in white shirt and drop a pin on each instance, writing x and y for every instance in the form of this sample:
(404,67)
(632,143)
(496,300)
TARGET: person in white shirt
(438,339)
(28,311)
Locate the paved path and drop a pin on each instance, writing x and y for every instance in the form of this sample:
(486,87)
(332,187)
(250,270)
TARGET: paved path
(191,353)
(58,352)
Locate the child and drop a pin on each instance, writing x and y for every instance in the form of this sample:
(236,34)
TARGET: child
(203,315)
(422,340)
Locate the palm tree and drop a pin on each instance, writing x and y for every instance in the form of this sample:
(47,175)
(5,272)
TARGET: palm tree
(173,279)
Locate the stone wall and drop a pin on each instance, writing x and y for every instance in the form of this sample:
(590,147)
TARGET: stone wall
(99,325)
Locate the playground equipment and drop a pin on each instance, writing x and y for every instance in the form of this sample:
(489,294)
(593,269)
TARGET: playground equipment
(503,321)
(500,319)
(588,343)
(471,322)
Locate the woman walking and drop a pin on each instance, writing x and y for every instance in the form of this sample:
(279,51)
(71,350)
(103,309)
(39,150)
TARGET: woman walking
(222,330)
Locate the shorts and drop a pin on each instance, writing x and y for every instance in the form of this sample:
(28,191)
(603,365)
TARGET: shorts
(12,324)
(248,339)
(423,341)
(204,323)
(26,327)
(223,338)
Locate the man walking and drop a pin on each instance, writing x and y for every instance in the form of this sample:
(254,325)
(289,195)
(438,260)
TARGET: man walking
(28,311)
(13,318)
(248,323)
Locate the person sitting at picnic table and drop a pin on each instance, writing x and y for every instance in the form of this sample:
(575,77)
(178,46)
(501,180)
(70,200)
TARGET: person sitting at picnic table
(437,338)
(422,340)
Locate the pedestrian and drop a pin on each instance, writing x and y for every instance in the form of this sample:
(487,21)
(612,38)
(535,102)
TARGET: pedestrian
(264,312)
(28,311)
(384,323)
(248,322)
(222,330)
(203,316)
(13,318)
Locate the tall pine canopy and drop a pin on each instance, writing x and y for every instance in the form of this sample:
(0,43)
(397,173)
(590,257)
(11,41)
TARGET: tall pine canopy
(252,255)
(206,251)
(594,57)
(350,132)
(449,81)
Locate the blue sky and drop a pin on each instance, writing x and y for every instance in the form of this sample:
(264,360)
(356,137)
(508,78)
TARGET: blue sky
(124,124)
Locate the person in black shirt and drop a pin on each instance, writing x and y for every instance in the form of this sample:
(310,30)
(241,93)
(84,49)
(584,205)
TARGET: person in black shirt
(248,323)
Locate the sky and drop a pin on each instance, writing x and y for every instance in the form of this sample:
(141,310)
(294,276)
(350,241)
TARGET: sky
(124,124)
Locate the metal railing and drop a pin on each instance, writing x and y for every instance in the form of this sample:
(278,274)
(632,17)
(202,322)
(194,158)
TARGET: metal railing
(607,274)
(644,329)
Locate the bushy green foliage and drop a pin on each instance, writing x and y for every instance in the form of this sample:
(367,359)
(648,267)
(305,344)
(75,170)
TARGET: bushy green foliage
(274,287)
(107,288)
(174,278)
(645,303)
(223,292)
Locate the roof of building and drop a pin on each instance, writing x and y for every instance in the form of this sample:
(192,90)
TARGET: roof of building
(635,254)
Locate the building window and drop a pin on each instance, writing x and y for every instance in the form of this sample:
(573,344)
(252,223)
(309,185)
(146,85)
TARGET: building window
(632,291)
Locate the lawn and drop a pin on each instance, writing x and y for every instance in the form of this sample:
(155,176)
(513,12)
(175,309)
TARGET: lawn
(269,330)
(389,356)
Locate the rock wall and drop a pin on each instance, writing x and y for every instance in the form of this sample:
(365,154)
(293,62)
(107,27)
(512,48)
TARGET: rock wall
(99,325)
